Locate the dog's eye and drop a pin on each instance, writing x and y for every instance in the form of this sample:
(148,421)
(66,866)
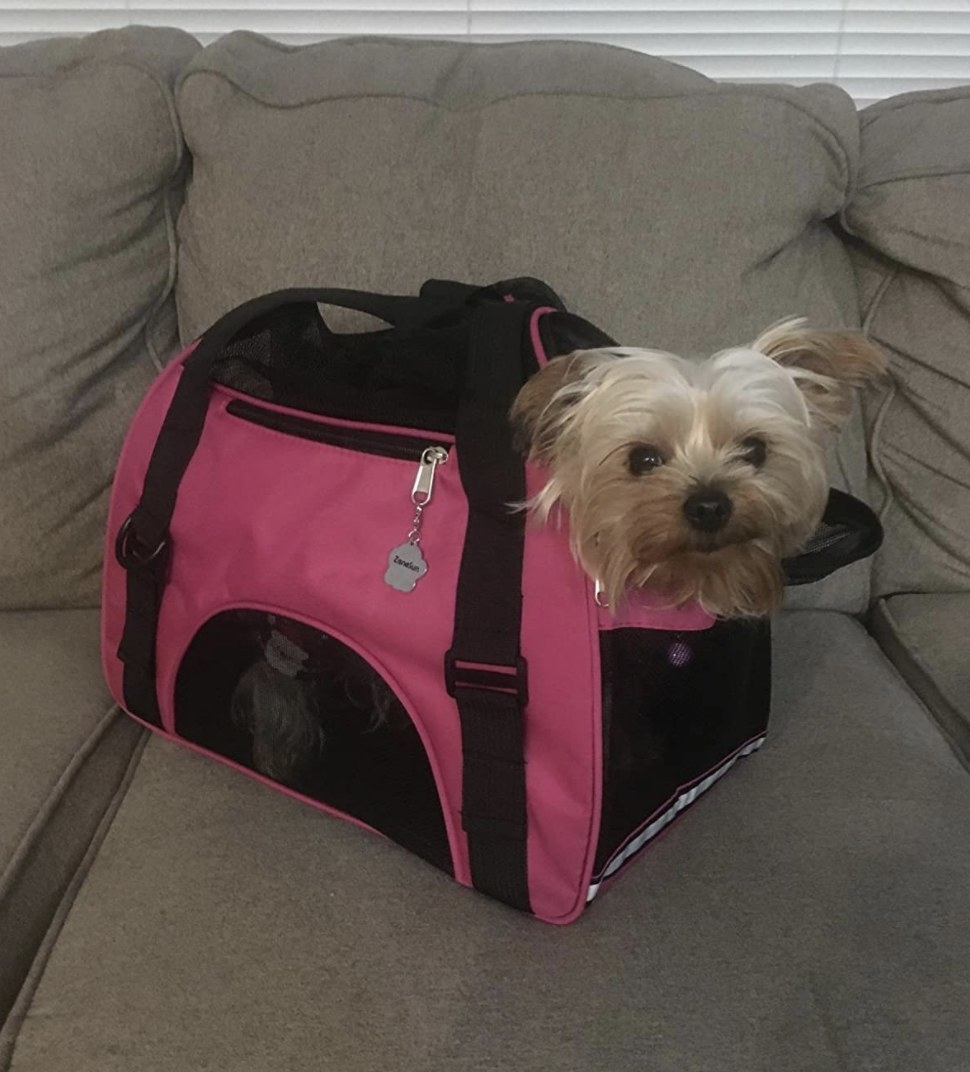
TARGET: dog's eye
(643,458)
(754,450)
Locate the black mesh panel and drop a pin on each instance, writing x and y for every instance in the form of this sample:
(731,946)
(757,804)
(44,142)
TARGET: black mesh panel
(675,706)
(400,376)
(410,376)
(848,531)
(305,710)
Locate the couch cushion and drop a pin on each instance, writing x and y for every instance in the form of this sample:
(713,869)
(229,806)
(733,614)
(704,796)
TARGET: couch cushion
(89,173)
(809,914)
(672,211)
(65,750)
(926,636)
(910,210)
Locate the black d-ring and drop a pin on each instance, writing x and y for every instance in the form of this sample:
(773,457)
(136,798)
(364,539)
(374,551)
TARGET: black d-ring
(129,553)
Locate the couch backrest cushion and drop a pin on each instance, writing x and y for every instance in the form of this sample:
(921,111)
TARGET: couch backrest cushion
(90,167)
(912,212)
(672,211)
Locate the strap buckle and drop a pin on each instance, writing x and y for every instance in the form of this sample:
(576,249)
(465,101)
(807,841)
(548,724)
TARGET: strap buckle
(493,677)
(130,552)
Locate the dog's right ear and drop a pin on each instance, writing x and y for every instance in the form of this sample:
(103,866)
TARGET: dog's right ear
(828,367)
(543,405)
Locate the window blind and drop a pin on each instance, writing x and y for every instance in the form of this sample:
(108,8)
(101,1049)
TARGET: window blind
(872,48)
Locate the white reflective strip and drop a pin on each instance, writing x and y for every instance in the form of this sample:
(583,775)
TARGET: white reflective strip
(665,818)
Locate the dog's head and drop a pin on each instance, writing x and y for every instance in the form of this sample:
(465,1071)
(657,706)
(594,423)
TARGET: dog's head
(695,478)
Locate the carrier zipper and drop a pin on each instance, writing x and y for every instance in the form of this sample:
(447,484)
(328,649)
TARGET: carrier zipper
(406,564)
(431,458)
(367,440)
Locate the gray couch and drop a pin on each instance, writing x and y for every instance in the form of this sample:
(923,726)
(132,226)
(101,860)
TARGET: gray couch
(159,912)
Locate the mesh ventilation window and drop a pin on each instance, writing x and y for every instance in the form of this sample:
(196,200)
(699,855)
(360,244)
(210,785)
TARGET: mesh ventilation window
(397,376)
(303,709)
(849,531)
(409,376)
(675,706)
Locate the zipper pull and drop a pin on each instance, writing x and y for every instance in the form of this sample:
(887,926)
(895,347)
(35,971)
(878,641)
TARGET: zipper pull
(431,458)
(406,564)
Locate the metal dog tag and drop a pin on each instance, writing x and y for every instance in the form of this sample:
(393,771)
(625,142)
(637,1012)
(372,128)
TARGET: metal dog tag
(405,567)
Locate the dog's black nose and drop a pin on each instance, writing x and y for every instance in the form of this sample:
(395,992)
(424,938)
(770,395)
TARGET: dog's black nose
(708,510)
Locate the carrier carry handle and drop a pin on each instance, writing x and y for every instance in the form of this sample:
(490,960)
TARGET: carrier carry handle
(398,310)
(437,297)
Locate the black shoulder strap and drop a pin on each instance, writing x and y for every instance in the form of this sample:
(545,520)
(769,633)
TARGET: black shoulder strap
(484,668)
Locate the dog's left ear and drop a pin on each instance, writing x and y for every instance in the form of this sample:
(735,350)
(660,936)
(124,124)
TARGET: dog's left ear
(827,366)
(542,406)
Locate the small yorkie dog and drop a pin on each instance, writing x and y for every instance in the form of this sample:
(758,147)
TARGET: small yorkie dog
(695,479)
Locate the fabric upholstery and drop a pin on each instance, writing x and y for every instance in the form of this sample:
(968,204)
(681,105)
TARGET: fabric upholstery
(672,211)
(90,173)
(808,914)
(910,215)
(65,749)
(926,636)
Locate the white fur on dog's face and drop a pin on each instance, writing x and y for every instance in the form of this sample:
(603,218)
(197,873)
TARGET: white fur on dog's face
(635,439)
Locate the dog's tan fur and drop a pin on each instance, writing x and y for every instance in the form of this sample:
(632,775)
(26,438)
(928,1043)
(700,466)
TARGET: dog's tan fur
(582,414)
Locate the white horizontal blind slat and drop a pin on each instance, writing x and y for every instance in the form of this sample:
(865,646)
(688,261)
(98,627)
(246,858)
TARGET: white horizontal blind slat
(528,20)
(242,9)
(914,7)
(872,48)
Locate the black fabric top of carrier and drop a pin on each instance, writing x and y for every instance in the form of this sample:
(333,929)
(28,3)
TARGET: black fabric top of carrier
(413,372)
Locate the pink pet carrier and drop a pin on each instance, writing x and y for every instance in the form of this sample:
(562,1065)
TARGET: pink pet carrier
(313,575)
